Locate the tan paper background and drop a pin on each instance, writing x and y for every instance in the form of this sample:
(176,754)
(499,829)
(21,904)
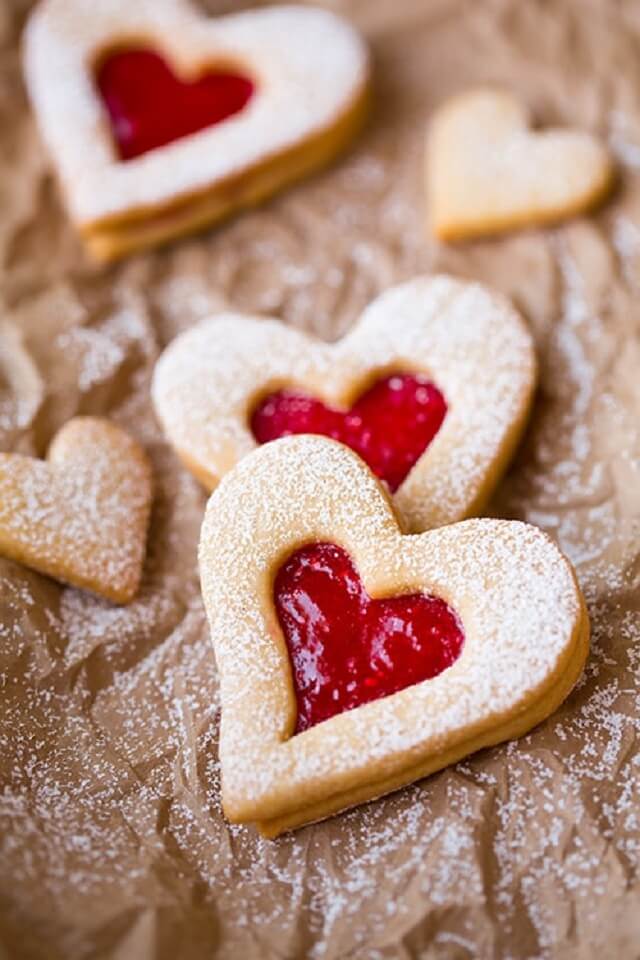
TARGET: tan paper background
(112,844)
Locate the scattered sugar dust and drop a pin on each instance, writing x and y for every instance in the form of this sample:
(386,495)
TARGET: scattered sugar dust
(112,840)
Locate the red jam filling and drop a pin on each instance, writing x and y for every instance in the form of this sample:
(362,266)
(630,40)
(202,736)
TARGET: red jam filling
(390,426)
(149,106)
(347,649)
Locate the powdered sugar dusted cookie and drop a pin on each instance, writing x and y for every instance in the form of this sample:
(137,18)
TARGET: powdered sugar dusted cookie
(432,388)
(487,171)
(80,516)
(353,659)
(160,120)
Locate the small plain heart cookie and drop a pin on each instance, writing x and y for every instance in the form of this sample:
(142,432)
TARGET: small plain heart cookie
(354,659)
(486,171)
(161,121)
(432,388)
(81,516)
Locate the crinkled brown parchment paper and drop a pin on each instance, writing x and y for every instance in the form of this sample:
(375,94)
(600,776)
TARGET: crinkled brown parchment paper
(112,844)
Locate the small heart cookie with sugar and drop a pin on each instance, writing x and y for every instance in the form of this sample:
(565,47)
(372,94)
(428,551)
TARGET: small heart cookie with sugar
(354,659)
(487,171)
(81,515)
(161,120)
(432,387)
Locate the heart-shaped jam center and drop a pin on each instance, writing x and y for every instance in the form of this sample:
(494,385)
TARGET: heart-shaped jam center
(149,106)
(390,426)
(347,649)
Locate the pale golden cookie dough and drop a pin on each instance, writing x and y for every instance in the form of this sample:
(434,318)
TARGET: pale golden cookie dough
(81,515)
(525,624)
(487,171)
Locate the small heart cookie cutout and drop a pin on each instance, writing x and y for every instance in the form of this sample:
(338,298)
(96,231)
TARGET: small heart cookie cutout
(346,648)
(432,387)
(509,607)
(209,115)
(487,171)
(149,106)
(81,516)
(390,425)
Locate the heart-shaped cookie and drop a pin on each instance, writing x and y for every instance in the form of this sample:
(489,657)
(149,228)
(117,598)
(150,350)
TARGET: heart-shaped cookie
(452,368)
(160,120)
(487,171)
(81,516)
(521,641)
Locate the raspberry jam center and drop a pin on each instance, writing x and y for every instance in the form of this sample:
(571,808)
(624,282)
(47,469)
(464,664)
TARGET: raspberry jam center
(389,426)
(347,649)
(149,106)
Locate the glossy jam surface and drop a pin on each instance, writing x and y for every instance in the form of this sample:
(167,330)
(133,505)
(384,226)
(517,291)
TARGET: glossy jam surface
(390,426)
(149,106)
(347,649)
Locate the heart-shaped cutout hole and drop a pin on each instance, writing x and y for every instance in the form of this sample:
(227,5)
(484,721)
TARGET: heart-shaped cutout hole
(347,649)
(149,106)
(389,426)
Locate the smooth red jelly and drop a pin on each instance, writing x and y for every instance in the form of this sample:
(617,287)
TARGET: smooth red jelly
(390,426)
(149,106)
(347,649)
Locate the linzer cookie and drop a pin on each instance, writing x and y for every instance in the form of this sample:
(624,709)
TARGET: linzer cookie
(81,516)
(161,121)
(432,388)
(487,171)
(353,659)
